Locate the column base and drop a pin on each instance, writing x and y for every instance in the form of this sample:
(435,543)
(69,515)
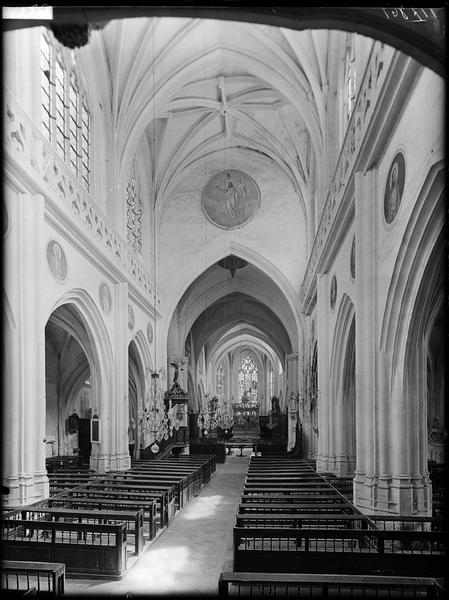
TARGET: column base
(25,489)
(341,466)
(396,495)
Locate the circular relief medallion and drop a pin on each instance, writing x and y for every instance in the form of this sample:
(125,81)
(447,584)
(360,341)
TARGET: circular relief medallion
(230,199)
(105,298)
(150,332)
(333,292)
(130,317)
(352,261)
(394,187)
(57,261)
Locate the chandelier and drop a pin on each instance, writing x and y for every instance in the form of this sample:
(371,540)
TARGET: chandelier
(216,414)
(159,420)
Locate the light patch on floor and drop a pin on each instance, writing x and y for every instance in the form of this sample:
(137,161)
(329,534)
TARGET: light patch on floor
(162,569)
(204,507)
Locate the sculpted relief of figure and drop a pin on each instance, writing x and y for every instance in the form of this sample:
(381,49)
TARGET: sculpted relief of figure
(394,187)
(105,298)
(57,261)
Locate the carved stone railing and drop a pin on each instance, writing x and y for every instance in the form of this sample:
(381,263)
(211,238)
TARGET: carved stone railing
(367,97)
(35,157)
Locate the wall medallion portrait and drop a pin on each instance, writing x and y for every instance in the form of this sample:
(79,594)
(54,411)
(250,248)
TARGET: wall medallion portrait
(230,199)
(150,332)
(130,317)
(352,259)
(57,261)
(394,187)
(105,298)
(333,292)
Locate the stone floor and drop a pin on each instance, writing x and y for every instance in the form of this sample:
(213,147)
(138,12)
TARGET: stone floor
(187,558)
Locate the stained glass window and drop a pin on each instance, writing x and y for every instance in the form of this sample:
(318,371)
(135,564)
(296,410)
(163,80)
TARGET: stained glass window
(134,211)
(270,383)
(350,77)
(248,378)
(220,382)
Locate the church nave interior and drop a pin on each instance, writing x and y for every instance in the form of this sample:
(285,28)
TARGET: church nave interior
(224,301)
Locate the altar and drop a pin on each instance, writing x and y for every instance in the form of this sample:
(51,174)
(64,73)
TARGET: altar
(246,417)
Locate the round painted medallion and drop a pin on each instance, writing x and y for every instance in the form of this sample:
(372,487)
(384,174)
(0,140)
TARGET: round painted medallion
(230,199)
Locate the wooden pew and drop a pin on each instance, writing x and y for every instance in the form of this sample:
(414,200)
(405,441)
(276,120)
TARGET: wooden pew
(327,586)
(133,520)
(181,484)
(206,463)
(356,551)
(55,463)
(139,499)
(21,577)
(304,520)
(296,507)
(193,475)
(85,549)
(123,489)
(104,504)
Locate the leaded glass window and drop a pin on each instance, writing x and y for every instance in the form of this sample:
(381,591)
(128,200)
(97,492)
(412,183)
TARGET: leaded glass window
(85,144)
(65,111)
(248,377)
(60,83)
(46,94)
(134,211)
(350,77)
(220,382)
(73,125)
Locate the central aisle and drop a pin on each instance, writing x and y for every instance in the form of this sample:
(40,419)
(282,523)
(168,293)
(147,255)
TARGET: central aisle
(188,557)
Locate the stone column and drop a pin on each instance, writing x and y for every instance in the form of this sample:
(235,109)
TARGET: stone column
(111,396)
(24,469)
(365,480)
(323,405)
(292,412)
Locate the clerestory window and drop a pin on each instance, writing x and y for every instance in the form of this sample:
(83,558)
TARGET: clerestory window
(65,114)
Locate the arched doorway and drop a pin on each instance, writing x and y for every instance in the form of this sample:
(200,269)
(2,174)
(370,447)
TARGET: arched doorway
(70,398)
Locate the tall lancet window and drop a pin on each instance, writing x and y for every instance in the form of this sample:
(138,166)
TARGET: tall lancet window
(65,113)
(248,378)
(46,87)
(220,387)
(60,102)
(134,211)
(350,77)
(270,383)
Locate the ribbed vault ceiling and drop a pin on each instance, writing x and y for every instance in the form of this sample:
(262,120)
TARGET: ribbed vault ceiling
(194,97)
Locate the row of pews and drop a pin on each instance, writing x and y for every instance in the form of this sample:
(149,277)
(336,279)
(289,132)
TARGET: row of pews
(94,523)
(296,533)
